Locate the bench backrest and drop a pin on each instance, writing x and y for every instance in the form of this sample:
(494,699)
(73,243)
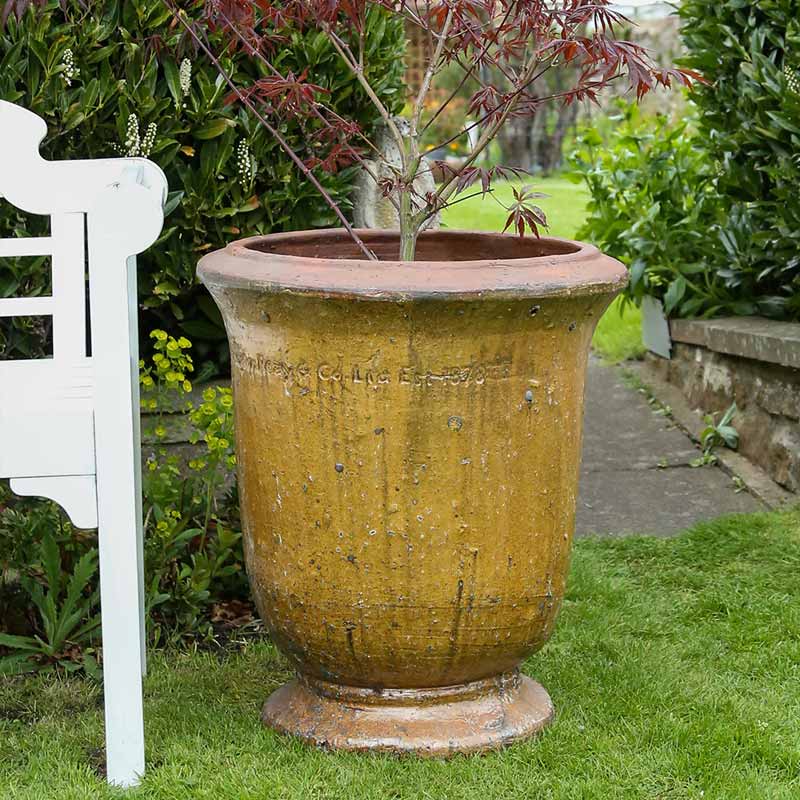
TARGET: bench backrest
(67,192)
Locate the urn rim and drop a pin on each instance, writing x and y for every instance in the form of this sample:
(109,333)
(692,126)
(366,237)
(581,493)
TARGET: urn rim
(325,263)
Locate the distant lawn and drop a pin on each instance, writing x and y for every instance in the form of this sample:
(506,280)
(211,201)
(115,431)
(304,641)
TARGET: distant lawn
(618,335)
(565,208)
(673,669)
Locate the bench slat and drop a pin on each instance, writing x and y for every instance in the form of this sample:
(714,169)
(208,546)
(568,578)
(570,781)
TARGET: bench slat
(32,246)
(26,307)
(44,444)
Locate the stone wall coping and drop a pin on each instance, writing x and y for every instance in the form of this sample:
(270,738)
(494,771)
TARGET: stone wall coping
(748,337)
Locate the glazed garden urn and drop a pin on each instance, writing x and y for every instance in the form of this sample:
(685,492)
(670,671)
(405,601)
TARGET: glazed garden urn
(409,438)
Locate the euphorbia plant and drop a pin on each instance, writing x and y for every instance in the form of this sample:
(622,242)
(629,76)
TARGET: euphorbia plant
(503,49)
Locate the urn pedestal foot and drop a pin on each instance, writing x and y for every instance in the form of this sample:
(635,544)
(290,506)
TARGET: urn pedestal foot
(439,722)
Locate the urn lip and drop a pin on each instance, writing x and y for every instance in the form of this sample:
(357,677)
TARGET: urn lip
(453,264)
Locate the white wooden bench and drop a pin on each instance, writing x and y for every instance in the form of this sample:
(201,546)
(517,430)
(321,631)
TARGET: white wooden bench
(69,425)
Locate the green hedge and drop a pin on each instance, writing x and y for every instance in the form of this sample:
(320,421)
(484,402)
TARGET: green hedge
(654,205)
(749,121)
(706,213)
(103,74)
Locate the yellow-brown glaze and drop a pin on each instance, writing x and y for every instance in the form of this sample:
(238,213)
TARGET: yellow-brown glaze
(408,471)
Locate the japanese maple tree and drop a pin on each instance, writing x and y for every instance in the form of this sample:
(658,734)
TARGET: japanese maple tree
(504,47)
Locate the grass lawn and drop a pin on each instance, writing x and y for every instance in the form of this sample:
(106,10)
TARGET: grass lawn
(674,668)
(618,335)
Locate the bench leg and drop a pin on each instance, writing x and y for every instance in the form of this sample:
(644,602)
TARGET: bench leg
(122,657)
(119,505)
(133,338)
(112,286)
(140,582)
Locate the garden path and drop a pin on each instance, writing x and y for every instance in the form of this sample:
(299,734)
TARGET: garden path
(635,475)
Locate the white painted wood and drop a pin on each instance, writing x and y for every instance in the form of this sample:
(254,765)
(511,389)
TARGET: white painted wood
(69,286)
(71,185)
(133,322)
(54,442)
(69,425)
(26,307)
(33,246)
(78,493)
(117,456)
(46,419)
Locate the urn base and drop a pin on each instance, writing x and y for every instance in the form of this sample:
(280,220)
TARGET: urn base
(438,722)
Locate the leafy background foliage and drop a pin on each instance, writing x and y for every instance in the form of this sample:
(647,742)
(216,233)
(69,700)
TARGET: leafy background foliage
(749,121)
(86,68)
(706,211)
(653,203)
(195,585)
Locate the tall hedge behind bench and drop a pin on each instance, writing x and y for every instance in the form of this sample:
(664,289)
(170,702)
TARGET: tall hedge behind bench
(116,77)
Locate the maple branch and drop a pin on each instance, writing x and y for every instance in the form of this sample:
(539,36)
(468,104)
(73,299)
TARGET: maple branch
(468,71)
(503,48)
(447,190)
(490,192)
(347,56)
(315,107)
(285,146)
(494,109)
(429,73)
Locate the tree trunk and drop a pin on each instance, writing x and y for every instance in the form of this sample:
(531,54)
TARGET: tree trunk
(514,140)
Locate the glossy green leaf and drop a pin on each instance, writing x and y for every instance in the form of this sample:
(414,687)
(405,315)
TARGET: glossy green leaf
(214,128)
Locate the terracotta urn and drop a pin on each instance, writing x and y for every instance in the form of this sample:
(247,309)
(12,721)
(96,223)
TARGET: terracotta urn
(409,438)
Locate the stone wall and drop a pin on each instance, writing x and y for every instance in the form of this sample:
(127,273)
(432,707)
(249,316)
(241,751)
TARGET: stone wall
(755,363)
